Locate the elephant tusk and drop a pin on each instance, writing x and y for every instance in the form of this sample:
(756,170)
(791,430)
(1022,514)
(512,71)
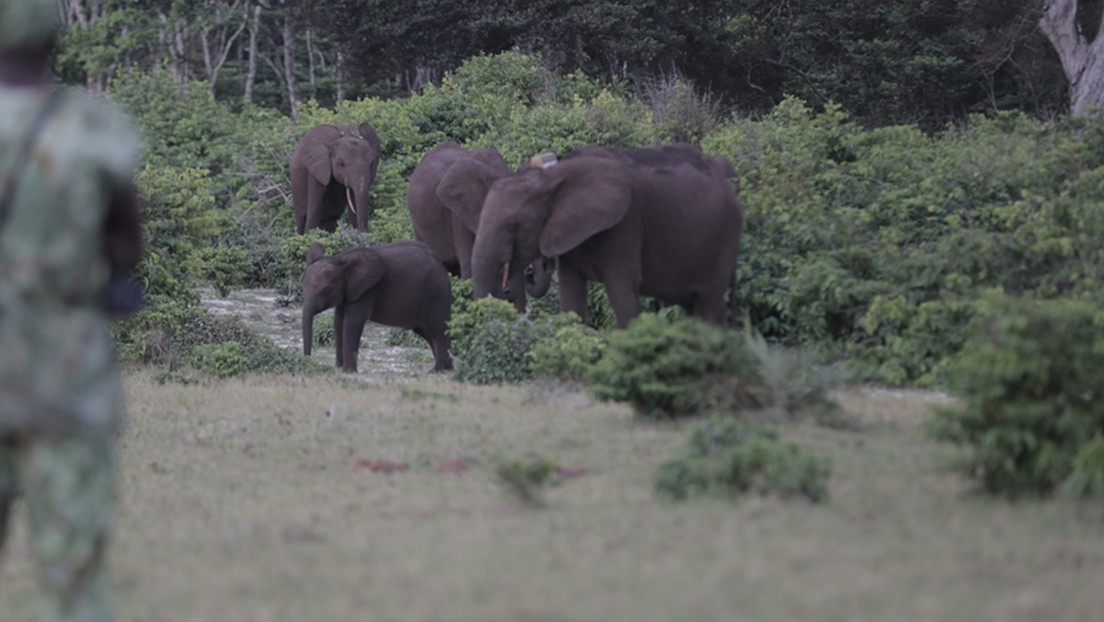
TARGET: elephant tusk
(505,274)
(349,199)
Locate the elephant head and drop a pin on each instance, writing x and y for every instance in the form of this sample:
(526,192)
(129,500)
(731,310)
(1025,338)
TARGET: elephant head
(543,213)
(463,190)
(332,171)
(328,284)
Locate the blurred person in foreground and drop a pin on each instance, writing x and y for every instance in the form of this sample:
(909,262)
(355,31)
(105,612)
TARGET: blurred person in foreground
(69,240)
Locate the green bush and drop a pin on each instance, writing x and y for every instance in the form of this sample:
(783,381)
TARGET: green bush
(493,343)
(1029,377)
(221,359)
(726,459)
(172,335)
(568,353)
(224,267)
(676,369)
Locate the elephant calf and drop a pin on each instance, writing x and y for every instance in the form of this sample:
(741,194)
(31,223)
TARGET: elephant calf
(401,284)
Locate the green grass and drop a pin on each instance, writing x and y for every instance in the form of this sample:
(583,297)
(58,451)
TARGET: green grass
(254,500)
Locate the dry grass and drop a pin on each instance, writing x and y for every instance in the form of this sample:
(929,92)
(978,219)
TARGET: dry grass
(265,500)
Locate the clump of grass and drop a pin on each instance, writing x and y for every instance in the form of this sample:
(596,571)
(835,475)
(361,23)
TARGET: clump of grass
(796,383)
(727,459)
(526,479)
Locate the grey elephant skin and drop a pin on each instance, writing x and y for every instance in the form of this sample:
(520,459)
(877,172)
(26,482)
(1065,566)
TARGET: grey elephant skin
(332,171)
(401,284)
(445,199)
(662,222)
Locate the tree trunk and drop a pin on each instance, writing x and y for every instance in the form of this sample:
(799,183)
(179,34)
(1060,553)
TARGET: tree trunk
(1082,59)
(310,64)
(251,72)
(288,32)
(339,76)
(218,41)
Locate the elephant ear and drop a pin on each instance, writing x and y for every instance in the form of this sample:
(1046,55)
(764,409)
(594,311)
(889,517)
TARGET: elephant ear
(463,188)
(369,134)
(589,195)
(315,151)
(315,252)
(363,272)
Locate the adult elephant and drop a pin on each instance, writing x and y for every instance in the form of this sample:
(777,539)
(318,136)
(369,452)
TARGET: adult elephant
(401,284)
(445,199)
(662,222)
(332,170)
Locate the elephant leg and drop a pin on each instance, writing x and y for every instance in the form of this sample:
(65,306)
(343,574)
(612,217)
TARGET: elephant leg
(463,241)
(339,334)
(573,291)
(356,316)
(624,298)
(710,306)
(439,345)
(315,202)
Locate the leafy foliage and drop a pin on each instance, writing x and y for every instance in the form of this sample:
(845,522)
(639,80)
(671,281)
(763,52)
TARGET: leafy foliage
(727,459)
(1029,376)
(675,369)
(568,353)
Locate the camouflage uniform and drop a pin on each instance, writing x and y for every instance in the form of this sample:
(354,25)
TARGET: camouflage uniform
(60,392)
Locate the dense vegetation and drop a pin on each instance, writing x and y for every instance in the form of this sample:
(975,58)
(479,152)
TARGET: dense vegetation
(901,164)
(901,61)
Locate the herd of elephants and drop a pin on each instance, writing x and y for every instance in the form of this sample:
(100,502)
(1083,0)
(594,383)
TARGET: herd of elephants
(661,221)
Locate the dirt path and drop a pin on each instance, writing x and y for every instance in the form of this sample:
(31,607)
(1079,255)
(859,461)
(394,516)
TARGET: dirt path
(261,310)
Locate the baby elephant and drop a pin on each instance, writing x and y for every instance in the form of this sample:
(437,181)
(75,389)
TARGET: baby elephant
(401,284)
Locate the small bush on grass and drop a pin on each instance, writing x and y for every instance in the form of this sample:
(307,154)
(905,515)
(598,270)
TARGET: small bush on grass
(526,479)
(221,359)
(177,334)
(1030,378)
(492,343)
(727,459)
(568,353)
(676,369)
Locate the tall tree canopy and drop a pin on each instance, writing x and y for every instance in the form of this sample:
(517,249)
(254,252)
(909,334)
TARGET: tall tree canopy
(884,61)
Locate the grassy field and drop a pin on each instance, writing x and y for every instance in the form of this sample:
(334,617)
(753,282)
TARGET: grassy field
(263,500)
(267,499)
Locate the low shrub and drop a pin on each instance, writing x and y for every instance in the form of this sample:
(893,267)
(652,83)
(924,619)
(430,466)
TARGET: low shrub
(568,353)
(1029,377)
(493,343)
(727,459)
(679,368)
(221,359)
(173,335)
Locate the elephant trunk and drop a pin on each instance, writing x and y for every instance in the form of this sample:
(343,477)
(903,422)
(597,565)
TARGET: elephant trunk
(494,276)
(358,204)
(308,327)
(538,277)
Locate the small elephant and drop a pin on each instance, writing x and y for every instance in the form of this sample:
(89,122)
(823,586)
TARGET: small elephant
(662,222)
(332,169)
(401,284)
(445,198)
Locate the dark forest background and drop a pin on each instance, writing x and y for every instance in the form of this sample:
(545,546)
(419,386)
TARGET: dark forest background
(927,62)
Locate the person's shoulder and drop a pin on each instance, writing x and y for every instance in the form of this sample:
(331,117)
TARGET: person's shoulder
(101,126)
(95,113)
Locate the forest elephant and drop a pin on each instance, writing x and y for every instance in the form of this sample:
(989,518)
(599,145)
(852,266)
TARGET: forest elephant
(401,284)
(332,170)
(662,222)
(445,198)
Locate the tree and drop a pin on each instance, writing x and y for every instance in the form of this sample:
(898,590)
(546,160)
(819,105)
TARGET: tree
(1075,35)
